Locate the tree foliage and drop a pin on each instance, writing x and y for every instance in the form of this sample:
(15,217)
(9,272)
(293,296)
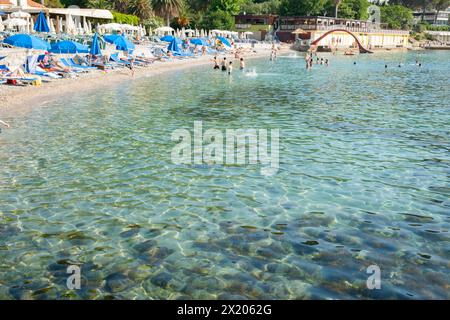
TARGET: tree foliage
(397,16)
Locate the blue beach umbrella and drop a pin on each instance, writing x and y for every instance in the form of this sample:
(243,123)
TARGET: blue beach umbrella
(170,38)
(95,46)
(41,24)
(120,41)
(199,41)
(224,41)
(69,47)
(27,41)
(173,46)
(167,38)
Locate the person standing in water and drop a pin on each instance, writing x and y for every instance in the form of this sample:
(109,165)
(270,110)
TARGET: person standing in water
(216,63)
(242,64)
(224,64)
(230,68)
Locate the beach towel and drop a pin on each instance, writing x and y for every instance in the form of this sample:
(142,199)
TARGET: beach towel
(30,66)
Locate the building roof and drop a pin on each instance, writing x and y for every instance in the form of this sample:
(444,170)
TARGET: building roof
(29,2)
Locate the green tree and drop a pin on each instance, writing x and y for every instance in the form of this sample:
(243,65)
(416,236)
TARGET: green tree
(167,8)
(302,8)
(141,8)
(122,6)
(229,6)
(397,16)
(125,18)
(100,4)
(218,20)
(353,9)
(262,7)
(53,4)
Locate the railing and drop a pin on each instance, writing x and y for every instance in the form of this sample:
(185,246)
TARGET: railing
(243,26)
(314,27)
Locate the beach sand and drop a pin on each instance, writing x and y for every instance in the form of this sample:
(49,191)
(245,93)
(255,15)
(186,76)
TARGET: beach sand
(16,100)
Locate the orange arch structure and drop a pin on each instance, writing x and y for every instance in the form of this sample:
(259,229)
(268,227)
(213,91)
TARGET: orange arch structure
(360,46)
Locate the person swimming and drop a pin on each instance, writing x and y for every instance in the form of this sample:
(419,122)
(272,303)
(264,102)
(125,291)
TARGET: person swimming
(5,124)
(385,66)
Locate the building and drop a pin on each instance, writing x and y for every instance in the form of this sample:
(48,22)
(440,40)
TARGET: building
(259,25)
(33,8)
(442,18)
(304,30)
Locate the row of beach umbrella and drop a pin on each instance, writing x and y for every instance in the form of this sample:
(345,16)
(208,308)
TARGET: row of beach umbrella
(23,22)
(67,46)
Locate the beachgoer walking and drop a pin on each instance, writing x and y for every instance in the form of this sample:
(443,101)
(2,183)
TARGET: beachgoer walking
(203,50)
(131,66)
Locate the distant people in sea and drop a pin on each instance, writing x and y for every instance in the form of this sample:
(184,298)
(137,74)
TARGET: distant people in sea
(242,64)
(385,66)
(230,67)
(354,62)
(326,62)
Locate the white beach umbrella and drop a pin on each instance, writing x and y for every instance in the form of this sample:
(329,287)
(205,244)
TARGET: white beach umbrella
(20,14)
(61,25)
(57,28)
(15,22)
(162,30)
(80,29)
(32,25)
(111,27)
(52,26)
(1,25)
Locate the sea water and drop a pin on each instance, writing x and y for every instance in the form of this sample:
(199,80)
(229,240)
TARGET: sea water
(363,180)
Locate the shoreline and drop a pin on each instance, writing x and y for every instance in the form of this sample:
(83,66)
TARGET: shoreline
(21,99)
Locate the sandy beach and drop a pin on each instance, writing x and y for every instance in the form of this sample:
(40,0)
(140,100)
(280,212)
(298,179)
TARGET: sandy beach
(17,99)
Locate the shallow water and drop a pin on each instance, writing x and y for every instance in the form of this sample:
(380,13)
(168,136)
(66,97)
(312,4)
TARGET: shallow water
(364,180)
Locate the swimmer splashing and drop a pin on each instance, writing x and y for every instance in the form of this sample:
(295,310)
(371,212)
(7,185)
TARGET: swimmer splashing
(5,124)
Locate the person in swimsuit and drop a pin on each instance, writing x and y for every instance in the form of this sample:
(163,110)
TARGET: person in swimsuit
(224,64)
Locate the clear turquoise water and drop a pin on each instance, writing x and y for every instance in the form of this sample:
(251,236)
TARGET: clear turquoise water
(364,179)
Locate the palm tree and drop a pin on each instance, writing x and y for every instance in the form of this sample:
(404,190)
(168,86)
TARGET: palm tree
(121,6)
(167,8)
(337,3)
(142,9)
(99,4)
